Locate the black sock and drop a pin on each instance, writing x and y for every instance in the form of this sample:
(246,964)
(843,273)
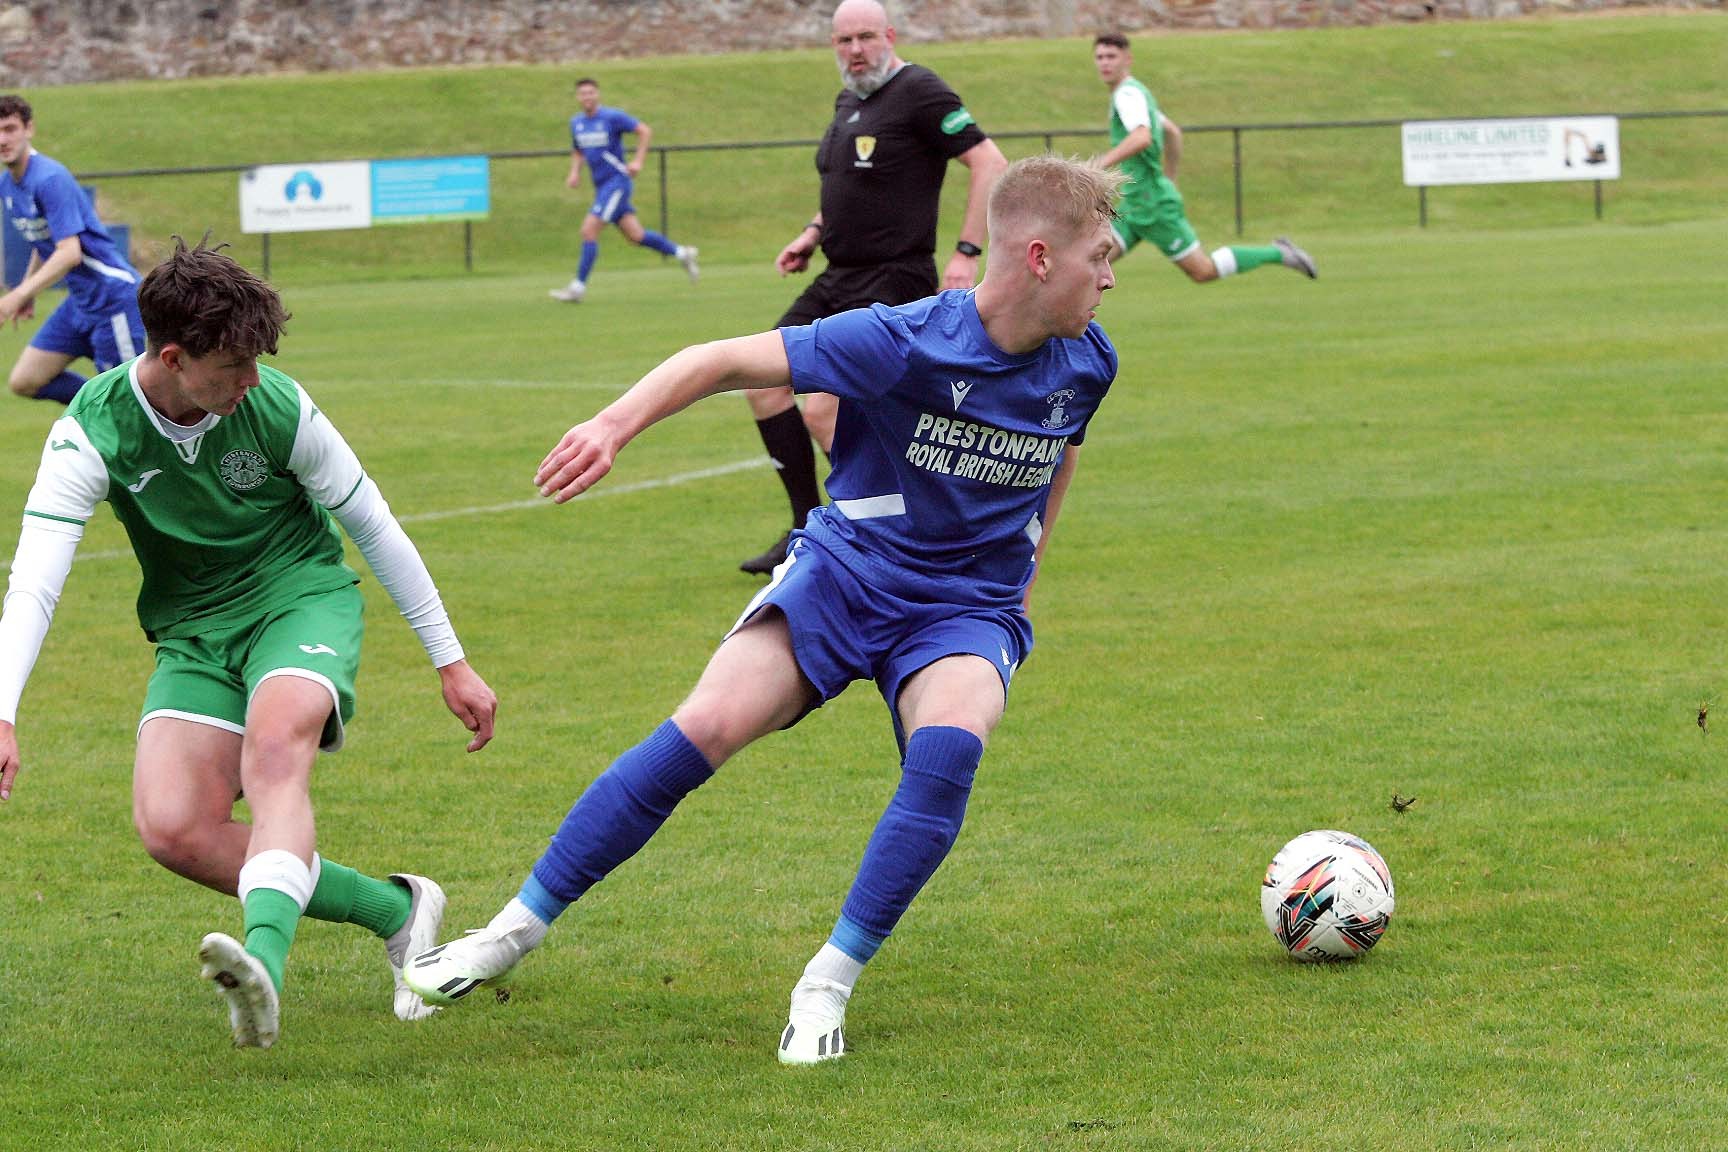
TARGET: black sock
(788,444)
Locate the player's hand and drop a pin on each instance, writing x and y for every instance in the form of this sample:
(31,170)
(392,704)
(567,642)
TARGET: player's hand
(962,271)
(795,257)
(13,306)
(9,761)
(582,457)
(472,702)
(574,180)
(634,168)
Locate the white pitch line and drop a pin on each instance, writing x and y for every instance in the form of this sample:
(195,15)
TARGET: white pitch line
(672,481)
(592,493)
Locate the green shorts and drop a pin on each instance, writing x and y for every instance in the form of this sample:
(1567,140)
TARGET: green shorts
(210,678)
(1161,222)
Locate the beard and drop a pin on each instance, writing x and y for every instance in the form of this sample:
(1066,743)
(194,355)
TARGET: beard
(865,85)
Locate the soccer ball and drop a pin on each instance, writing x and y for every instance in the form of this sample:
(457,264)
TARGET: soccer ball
(1327,896)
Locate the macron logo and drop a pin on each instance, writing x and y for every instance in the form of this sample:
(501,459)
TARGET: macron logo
(143,479)
(317,649)
(961,389)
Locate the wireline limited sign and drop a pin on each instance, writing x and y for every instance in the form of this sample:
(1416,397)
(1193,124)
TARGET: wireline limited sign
(1522,151)
(359,194)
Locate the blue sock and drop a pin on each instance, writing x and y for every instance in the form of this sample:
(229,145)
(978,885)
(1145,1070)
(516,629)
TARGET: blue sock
(624,806)
(590,253)
(911,839)
(653,239)
(62,388)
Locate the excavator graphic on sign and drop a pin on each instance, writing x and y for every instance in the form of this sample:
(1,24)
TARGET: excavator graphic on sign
(1593,153)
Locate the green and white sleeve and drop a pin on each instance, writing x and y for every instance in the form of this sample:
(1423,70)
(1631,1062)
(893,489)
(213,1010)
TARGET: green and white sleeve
(1133,108)
(331,474)
(70,482)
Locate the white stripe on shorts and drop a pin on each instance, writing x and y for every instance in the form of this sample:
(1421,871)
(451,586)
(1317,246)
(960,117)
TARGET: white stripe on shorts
(193,718)
(870,507)
(774,581)
(611,206)
(122,337)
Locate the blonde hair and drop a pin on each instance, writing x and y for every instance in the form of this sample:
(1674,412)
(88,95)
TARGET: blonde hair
(1053,192)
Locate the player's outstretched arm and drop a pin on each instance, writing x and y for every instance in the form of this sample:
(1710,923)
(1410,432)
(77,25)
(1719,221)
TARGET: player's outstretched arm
(9,760)
(470,700)
(1172,145)
(586,452)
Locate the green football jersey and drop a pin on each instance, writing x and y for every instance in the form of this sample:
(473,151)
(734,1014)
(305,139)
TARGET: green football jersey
(1145,168)
(224,529)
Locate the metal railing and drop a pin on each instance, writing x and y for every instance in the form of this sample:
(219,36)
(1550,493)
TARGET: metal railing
(663,155)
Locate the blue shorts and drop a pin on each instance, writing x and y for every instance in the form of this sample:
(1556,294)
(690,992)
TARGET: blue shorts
(845,629)
(612,200)
(109,337)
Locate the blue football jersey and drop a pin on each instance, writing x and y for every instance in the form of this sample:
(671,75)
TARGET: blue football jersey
(945,446)
(48,206)
(600,139)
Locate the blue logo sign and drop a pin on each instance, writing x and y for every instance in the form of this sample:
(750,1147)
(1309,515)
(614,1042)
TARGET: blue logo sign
(306,180)
(431,188)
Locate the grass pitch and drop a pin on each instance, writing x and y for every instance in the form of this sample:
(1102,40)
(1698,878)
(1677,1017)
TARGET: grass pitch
(1444,523)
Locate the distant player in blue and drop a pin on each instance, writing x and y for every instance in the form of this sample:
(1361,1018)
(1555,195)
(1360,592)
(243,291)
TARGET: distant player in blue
(597,139)
(958,435)
(99,318)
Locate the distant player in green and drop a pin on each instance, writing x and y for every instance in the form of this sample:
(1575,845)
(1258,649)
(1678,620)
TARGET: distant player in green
(1148,148)
(226,476)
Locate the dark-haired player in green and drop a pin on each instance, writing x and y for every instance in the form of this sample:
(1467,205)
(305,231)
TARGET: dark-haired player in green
(1148,148)
(226,477)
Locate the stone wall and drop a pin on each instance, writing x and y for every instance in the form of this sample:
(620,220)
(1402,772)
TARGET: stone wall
(46,42)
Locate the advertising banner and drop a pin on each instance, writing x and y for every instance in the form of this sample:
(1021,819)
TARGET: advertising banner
(361,193)
(1521,151)
(306,197)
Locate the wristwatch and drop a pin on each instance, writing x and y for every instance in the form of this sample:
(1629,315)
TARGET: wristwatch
(967,248)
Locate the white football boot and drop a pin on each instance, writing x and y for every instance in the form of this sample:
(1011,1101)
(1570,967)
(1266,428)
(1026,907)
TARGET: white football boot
(254,1011)
(1293,257)
(450,971)
(687,257)
(571,293)
(814,1029)
(418,933)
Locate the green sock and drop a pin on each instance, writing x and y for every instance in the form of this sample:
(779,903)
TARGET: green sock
(1251,256)
(344,896)
(271,917)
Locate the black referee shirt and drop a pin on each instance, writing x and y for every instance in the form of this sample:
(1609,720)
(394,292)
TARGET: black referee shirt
(882,162)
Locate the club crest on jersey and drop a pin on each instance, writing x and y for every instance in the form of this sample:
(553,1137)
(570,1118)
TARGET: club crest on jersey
(1058,401)
(865,146)
(243,470)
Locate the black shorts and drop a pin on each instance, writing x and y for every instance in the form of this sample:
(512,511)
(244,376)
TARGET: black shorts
(840,289)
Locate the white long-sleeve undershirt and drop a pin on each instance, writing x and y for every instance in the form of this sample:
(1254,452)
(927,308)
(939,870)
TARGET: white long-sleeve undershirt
(69,485)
